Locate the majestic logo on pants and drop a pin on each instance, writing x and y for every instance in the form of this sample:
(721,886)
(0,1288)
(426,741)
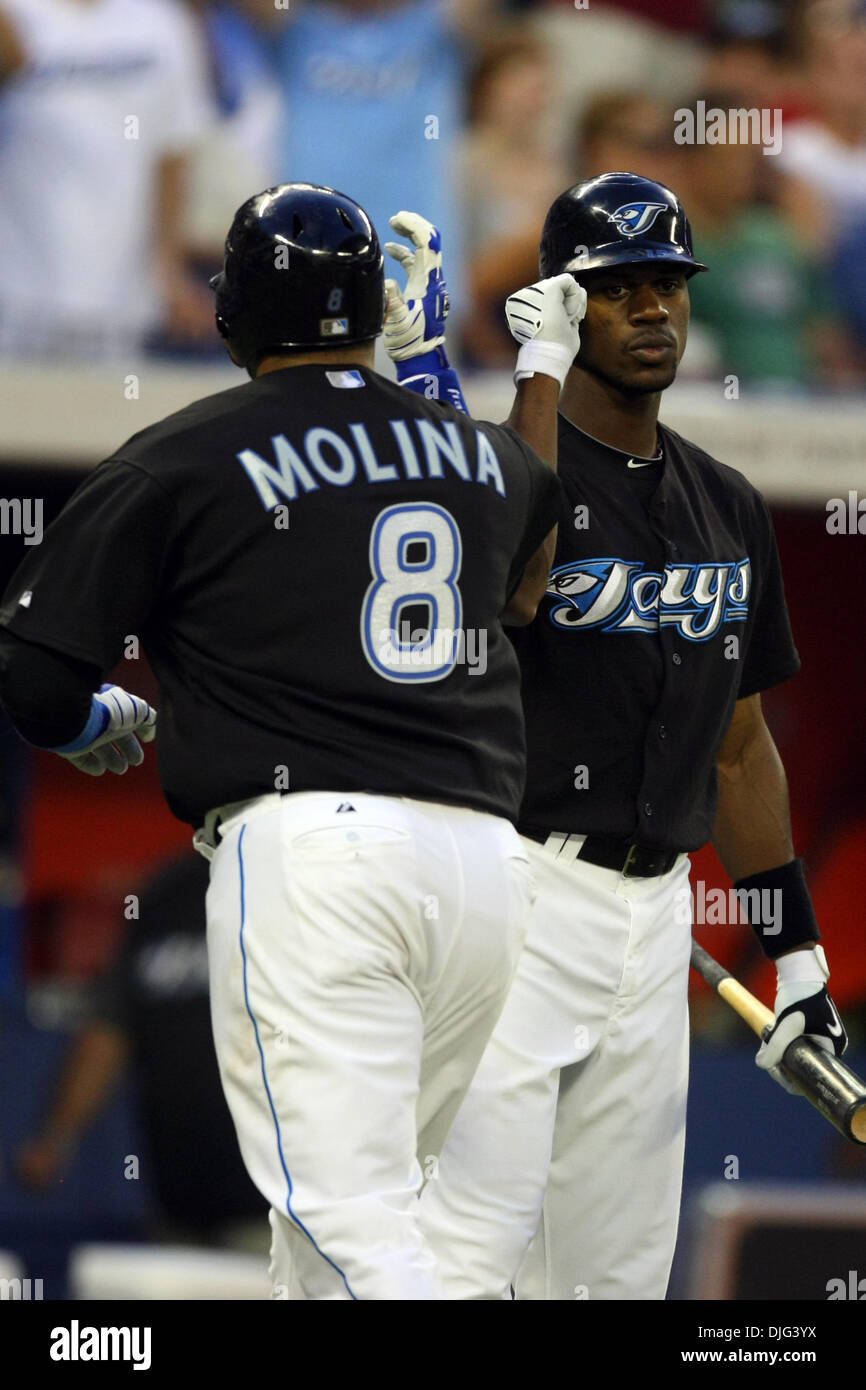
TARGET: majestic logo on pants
(623,596)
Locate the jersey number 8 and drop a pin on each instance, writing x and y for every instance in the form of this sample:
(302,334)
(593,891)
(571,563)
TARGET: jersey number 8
(415,558)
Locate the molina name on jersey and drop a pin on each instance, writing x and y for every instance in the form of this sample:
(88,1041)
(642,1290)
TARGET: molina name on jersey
(664,607)
(422,450)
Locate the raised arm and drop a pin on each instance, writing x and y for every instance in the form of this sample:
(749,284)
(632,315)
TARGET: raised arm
(543,318)
(533,416)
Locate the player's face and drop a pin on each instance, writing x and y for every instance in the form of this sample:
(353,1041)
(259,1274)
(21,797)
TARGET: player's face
(635,329)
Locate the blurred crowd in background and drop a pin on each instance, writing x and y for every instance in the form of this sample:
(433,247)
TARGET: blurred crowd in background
(130,130)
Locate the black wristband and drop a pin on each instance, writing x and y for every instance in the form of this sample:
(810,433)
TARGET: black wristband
(779,908)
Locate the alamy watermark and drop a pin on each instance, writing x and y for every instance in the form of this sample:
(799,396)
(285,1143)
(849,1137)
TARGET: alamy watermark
(432,653)
(710,907)
(22,516)
(736,126)
(20,1290)
(853,1288)
(77,1343)
(846,516)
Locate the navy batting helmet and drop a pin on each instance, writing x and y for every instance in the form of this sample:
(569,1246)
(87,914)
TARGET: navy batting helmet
(303,269)
(615,219)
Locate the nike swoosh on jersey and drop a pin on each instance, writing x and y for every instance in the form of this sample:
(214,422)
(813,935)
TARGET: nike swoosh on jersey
(645,464)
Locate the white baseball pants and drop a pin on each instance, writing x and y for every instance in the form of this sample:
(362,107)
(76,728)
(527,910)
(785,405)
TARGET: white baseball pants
(358,960)
(562,1173)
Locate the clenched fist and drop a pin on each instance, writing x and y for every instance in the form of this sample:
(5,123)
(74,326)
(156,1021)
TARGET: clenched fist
(544,318)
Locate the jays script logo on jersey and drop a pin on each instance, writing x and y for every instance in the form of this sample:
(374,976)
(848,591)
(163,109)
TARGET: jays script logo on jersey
(623,596)
(634,218)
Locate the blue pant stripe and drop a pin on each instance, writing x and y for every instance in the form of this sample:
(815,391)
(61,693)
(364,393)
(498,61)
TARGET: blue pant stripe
(296,1220)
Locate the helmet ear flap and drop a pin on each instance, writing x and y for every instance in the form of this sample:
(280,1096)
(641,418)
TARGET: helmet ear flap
(227,310)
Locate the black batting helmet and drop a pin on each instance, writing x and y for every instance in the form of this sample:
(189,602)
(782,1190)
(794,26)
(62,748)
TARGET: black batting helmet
(615,219)
(303,269)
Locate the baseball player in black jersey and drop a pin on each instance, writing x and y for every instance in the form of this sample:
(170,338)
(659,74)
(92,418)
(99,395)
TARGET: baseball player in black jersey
(663,622)
(317,564)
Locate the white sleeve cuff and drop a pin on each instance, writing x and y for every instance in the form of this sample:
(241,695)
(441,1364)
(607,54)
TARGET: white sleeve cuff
(548,359)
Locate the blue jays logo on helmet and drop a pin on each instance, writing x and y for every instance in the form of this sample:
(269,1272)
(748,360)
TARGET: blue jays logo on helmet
(634,218)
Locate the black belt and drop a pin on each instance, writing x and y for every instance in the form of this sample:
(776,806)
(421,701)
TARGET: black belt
(609,852)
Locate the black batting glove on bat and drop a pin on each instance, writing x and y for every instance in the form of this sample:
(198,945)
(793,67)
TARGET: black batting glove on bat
(803,1008)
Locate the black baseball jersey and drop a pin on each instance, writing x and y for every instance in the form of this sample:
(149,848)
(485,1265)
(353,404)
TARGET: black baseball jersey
(665,606)
(316,563)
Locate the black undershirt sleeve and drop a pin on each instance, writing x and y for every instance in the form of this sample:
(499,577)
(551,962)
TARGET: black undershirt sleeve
(47,696)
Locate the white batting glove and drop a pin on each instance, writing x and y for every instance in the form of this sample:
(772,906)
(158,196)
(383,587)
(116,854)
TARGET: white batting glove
(109,741)
(544,318)
(803,1008)
(415,317)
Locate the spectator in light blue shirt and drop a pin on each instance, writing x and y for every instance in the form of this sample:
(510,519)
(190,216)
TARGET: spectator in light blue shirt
(374,98)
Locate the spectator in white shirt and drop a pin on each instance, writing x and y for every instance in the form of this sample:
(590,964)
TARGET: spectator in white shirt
(101,102)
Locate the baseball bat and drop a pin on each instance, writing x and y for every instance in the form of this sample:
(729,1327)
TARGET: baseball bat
(823,1079)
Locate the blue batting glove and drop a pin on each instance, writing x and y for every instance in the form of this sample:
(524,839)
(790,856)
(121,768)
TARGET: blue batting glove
(414,334)
(108,741)
(415,317)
